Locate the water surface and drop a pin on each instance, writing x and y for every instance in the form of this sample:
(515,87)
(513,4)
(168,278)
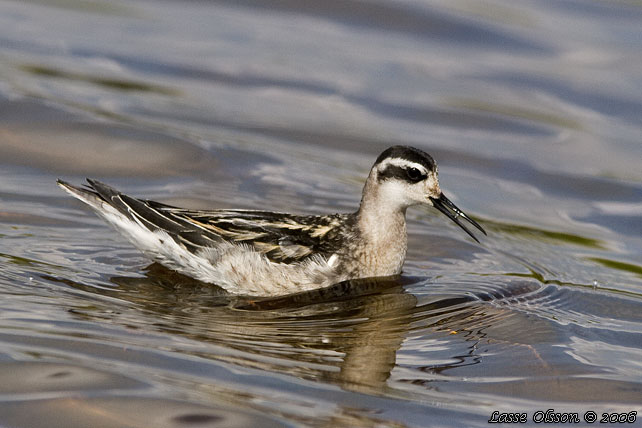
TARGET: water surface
(531,109)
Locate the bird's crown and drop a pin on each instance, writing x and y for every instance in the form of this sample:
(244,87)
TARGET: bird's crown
(404,163)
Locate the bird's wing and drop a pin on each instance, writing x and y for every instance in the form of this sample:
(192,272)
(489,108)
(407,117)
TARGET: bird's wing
(281,237)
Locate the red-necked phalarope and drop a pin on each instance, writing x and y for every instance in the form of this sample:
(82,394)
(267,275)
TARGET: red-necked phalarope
(265,253)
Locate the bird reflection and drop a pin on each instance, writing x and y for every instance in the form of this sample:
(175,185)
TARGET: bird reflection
(348,334)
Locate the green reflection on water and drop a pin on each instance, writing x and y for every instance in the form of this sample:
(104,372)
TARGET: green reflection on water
(555,119)
(99,7)
(121,85)
(613,264)
(23,261)
(546,235)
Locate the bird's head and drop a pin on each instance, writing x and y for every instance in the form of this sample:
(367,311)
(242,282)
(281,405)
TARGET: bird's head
(403,176)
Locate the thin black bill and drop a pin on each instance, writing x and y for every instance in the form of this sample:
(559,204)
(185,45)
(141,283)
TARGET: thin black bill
(451,211)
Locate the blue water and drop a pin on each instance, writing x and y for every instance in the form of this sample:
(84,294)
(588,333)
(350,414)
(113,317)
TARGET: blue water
(531,109)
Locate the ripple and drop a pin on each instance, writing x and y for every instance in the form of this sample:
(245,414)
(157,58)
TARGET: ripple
(285,105)
(125,411)
(111,83)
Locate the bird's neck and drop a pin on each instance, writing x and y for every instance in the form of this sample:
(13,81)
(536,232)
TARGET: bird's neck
(383,229)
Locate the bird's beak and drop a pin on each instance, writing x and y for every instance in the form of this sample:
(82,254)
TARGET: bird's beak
(443,204)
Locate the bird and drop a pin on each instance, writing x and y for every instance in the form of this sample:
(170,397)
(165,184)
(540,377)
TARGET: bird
(265,253)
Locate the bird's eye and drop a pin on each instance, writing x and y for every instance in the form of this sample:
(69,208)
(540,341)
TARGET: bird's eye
(413,174)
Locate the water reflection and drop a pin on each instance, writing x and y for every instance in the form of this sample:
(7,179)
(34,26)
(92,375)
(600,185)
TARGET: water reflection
(535,123)
(415,338)
(348,334)
(115,84)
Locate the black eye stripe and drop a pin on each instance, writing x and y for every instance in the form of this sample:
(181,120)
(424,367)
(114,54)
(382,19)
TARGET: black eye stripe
(401,173)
